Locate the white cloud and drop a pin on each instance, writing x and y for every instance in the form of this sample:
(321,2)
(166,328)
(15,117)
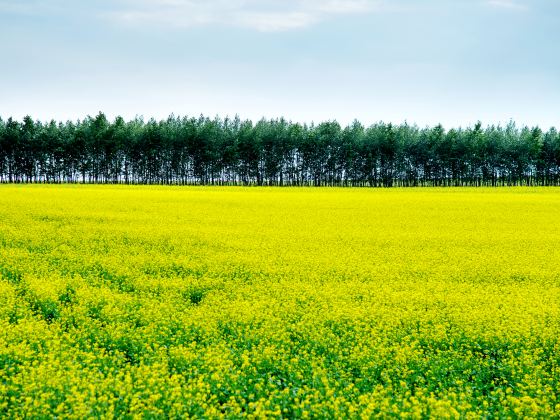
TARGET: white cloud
(261,15)
(343,6)
(274,21)
(508,4)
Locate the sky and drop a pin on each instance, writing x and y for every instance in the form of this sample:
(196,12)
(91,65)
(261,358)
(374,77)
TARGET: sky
(425,62)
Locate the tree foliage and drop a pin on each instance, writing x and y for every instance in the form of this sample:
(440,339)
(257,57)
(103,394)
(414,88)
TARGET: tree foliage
(182,150)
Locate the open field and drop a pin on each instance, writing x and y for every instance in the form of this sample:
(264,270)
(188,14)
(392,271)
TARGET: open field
(167,301)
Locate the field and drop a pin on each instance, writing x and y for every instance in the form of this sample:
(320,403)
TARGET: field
(278,302)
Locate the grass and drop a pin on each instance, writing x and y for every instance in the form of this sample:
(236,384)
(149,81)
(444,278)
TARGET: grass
(278,302)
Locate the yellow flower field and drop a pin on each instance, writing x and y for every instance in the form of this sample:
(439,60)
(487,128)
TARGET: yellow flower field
(136,301)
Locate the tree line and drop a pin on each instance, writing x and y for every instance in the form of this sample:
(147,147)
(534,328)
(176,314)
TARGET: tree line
(215,151)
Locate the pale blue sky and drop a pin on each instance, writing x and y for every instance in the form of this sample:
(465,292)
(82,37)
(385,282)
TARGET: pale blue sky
(425,62)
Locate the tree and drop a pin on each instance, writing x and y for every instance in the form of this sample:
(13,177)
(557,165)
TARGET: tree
(274,152)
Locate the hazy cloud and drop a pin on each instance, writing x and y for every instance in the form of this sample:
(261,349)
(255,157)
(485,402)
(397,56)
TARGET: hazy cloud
(263,15)
(508,4)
